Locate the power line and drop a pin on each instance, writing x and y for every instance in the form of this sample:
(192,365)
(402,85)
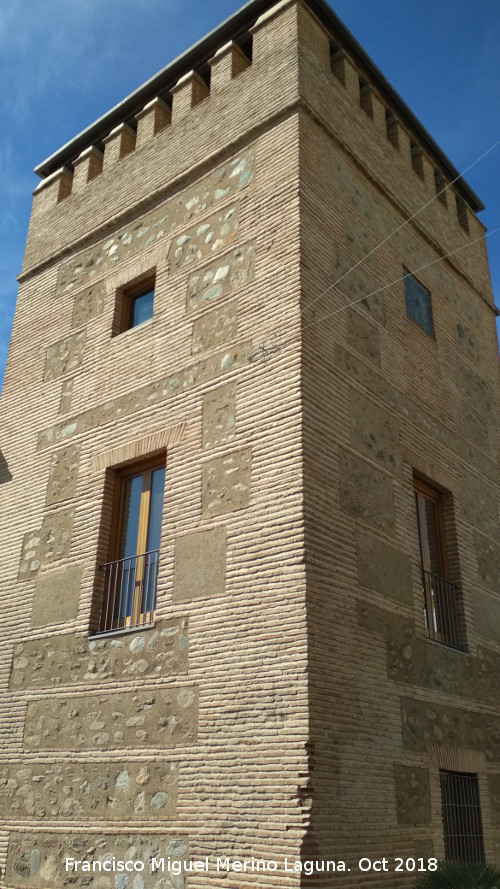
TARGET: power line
(399,227)
(263,352)
(398,280)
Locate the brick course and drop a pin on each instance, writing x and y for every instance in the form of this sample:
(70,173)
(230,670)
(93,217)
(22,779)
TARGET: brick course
(288,692)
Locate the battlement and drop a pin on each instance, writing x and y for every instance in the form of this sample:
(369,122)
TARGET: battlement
(293,53)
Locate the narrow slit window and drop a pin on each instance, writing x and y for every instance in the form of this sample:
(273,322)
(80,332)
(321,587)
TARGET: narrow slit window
(365,96)
(392,128)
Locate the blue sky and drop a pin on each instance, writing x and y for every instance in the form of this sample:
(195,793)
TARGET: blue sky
(63,64)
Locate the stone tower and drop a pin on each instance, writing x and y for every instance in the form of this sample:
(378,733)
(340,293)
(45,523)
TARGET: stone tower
(248,551)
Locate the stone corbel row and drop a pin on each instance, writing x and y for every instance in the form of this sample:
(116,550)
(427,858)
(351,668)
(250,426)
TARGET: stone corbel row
(189,91)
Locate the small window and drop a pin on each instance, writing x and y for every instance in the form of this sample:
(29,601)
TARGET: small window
(439,593)
(134,305)
(129,578)
(462,213)
(337,62)
(417,160)
(440,185)
(418,303)
(365,96)
(392,128)
(462,824)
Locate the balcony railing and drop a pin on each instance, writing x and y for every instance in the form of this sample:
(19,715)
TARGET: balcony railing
(129,592)
(441,615)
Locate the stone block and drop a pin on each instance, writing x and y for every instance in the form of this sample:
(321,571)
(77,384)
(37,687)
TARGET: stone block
(203,371)
(363,335)
(488,561)
(385,569)
(219,415)
(473,386)
(47,545)
(36,860)
(64,355)
(478,500)
(82,791)
(374,432)
(215,327)
(425,723)
(467,342)
(89,303)
(157,225)
(115,720)
(494,795)
(365,493)
(221,277)
(63,476)
(66,396)
(202,240)
(200,565)
(57,596)
(68,658)
(487,616)
(226,483)
(413,801)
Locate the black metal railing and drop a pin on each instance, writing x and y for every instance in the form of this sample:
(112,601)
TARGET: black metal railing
(441,614)
(129,592)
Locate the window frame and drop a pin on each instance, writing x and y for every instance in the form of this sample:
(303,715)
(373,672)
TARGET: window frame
(125,298)
(409,275)
(138,618)
(453,792)
(443,615)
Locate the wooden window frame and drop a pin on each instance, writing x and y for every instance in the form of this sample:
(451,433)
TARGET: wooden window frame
(423,489)
(109,620)
(125,298)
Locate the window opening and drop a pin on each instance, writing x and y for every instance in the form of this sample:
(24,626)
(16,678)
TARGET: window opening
(440,185)
(392,128)
(365,96)
(440,594)
(462,823)
(417,161)
(129,583)
(134,304)
(462,213)
(418,303)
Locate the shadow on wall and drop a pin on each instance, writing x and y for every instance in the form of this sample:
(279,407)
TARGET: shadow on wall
(5,475)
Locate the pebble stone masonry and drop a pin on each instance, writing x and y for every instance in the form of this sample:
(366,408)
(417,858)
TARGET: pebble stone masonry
(287,702)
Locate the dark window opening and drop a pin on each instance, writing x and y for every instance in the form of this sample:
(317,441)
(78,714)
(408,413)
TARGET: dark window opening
(392,128)
(462,213)
(441,605)
(462,823)
(417,161)
(440,185)
(365,96)
(337,62)
(418,303)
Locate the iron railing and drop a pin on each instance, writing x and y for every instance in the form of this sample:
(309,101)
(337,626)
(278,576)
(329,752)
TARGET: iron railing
(441,615)
(129,592)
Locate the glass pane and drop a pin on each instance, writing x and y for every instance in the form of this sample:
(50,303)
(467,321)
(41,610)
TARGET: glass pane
(155,509)
(130,518)
(418,303)
(432,539)
(141,308)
